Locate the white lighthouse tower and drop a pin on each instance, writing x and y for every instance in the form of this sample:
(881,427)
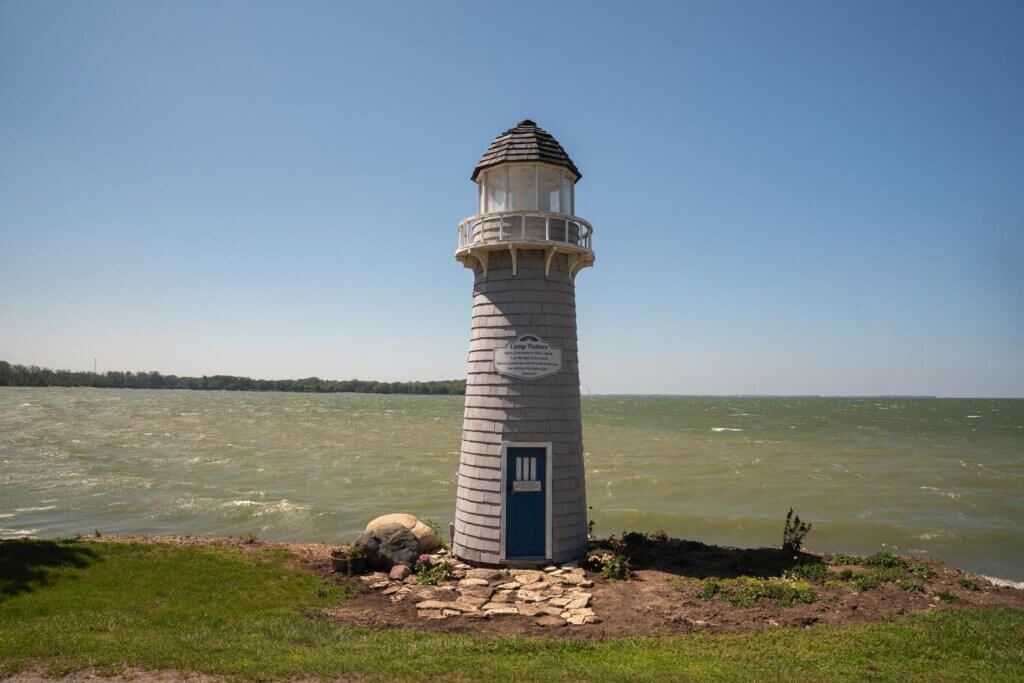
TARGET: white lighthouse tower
(521,494)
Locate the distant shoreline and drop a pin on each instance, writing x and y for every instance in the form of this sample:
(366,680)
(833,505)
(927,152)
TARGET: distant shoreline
(33,376)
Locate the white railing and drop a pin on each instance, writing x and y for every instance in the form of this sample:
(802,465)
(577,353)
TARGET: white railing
(525,226)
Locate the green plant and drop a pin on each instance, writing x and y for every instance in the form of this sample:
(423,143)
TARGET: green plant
(746,591)
(843,558)
(911,585)
(97,533)
(709,588)
(794,533)
(946,596)
(355,551)
(968,584)
(432,574)
(865,582)
(659,536)
(846,574)
(616,568)
(437,529)
(921,571)
(636,546)
(886,560)
(815,572)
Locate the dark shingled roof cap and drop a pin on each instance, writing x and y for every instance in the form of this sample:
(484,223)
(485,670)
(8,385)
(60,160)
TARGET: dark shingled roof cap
(526,142)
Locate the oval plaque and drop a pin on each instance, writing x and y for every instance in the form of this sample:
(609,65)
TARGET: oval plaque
(527,357)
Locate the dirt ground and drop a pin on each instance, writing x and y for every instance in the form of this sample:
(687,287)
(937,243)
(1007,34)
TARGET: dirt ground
(660,599)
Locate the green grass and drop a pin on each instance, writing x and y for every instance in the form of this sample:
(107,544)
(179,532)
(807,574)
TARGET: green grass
(69,606)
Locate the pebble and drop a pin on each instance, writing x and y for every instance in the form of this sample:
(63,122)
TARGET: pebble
(528,576)
(433,614)
(392,589)
(531,596)
(472,581)
(499,610)
(468,604)
(399,572)
(485,574)
(379,585)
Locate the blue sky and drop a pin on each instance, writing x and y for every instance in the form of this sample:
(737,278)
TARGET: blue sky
(787,197)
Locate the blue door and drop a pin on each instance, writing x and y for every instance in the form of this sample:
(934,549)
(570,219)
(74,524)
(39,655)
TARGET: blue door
(526,502)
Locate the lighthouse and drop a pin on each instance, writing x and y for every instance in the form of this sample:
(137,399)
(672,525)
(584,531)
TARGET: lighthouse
(521,497)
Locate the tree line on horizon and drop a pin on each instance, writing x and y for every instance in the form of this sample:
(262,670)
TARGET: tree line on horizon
(33,376)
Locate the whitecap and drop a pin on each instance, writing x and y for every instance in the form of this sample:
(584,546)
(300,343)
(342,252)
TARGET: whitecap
(242,503)
(16,533)
(726,429)
(971,416)
(1006,583)
(35,509)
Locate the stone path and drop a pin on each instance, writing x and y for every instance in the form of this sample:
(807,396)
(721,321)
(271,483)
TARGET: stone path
(554,597)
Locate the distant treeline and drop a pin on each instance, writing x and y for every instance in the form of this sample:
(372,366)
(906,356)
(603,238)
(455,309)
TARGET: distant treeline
(32,376)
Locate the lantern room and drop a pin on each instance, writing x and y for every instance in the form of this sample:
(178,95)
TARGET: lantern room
(525,200)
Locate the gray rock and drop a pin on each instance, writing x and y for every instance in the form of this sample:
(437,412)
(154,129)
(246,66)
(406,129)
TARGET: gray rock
(389,545)
(399,572)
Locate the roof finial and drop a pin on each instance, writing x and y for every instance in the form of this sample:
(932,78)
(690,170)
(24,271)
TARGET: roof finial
(527,122)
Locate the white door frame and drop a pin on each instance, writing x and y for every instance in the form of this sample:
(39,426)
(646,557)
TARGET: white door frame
(548,468)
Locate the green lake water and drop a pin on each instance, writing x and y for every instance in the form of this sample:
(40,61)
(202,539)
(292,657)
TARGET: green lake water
(930,477)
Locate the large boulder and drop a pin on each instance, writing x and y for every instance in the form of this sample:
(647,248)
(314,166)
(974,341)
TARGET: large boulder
(425,536)
(388,545)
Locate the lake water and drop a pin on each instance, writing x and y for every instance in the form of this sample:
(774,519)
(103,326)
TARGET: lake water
(932,477)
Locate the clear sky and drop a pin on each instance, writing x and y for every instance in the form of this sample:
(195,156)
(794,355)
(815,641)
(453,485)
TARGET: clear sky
(787,197)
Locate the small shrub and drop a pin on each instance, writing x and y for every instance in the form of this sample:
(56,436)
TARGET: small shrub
(865,582)
(783,593)
(97,533)
(846,574)
(794,533)
(636,546)
(659,536)
(946,596)
(709,588)
(432,574)
(815,572)
(843,558)
(436,528)
(616,568)
(248,539)
(355,551)
(911,585)
(886,560)
(968,584)
(921,571)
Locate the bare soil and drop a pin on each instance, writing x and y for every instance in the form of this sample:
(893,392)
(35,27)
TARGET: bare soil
(661,598)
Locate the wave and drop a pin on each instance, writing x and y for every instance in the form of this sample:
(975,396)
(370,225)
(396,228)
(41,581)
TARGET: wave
(1006,583)
(726,429)
(9,534)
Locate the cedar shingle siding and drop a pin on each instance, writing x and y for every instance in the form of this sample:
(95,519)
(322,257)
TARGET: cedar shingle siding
(501,408)
(526,142)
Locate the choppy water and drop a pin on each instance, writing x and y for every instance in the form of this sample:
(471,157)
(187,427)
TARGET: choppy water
(935,477)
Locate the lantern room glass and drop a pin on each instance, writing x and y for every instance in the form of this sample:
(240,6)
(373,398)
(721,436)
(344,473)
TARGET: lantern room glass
(526,187)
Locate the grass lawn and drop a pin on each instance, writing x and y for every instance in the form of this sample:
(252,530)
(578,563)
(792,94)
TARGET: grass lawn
(70,605)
